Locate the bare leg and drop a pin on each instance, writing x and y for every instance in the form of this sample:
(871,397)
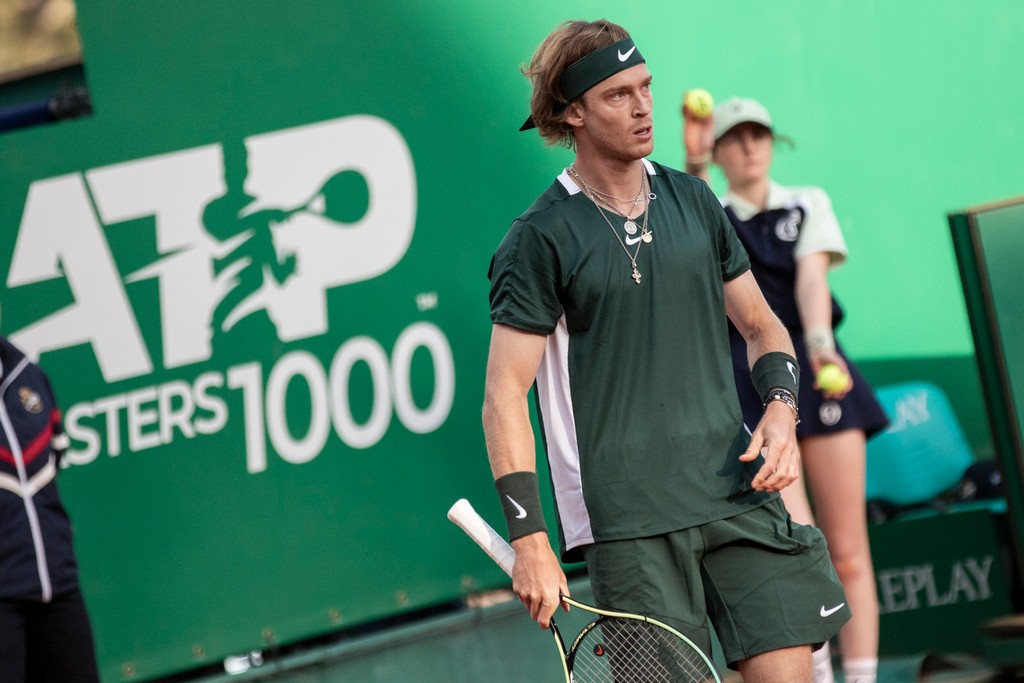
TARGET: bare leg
(799,507)
(795,498)
(788,665)
(834,470)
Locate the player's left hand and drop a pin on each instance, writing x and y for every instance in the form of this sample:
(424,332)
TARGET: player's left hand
(775,438)
(823,357)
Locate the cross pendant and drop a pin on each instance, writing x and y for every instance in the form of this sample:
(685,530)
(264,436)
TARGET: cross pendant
(636,275)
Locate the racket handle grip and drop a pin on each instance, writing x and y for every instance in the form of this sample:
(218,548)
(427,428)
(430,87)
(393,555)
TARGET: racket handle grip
(467,519)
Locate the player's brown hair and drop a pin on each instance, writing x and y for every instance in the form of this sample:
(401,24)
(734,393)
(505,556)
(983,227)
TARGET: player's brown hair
(568,43)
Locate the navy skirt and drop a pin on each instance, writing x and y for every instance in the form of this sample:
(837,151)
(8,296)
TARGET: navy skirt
(859,409)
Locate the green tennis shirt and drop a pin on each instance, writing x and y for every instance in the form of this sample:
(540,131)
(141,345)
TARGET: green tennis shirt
(635,392)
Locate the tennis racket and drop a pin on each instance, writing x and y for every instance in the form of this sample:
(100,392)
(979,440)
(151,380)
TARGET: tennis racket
(616,647)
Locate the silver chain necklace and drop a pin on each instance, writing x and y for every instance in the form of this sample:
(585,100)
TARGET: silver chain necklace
(646,236)
(598,196)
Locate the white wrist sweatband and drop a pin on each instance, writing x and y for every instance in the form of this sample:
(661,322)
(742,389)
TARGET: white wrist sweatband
(819,339)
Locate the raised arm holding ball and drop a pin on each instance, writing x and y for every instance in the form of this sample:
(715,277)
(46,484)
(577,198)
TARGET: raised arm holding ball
(793,239)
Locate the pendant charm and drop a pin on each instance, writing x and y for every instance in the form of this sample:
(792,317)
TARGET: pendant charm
(647,237)
(636,275)
(651,195)
(630,227)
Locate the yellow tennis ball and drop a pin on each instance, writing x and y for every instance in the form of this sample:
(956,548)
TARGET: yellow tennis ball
(699,102)
(832,378)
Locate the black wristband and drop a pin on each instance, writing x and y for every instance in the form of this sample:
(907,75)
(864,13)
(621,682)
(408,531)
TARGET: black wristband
(776,370)
(520,501)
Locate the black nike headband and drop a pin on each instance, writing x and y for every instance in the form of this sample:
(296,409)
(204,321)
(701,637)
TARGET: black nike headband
(586,72)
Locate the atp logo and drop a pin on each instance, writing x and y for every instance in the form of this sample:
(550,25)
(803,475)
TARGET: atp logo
(267,225)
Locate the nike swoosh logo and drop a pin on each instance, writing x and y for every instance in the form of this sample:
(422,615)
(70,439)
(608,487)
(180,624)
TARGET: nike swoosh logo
(624,57)
(792,371)
(522,515)
(830,612)
(633,240)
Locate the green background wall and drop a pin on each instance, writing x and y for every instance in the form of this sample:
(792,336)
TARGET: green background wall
(902,111)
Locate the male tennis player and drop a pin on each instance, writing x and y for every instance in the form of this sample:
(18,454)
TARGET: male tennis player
(609,296)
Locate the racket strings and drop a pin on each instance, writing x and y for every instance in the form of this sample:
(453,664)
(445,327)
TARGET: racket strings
(620,650)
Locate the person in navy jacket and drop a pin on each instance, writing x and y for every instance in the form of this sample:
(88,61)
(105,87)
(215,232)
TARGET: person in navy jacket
(45,635)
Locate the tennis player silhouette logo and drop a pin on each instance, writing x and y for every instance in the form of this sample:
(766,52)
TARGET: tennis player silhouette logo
(253,261)
(303,211)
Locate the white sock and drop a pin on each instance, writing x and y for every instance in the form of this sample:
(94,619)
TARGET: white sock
(860,670)
(822,662)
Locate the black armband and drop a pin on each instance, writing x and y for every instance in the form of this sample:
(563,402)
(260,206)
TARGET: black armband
(776,370)
(520,501)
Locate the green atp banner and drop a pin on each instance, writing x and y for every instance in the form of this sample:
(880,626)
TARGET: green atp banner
(259,378)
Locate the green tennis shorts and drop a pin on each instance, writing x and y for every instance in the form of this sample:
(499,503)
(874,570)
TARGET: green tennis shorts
(764,581)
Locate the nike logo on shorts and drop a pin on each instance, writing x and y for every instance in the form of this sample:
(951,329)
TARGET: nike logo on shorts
(830,612)
(521,514)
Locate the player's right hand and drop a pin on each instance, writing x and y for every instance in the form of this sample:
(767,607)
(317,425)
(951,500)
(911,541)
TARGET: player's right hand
(537,577)
(824,357)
